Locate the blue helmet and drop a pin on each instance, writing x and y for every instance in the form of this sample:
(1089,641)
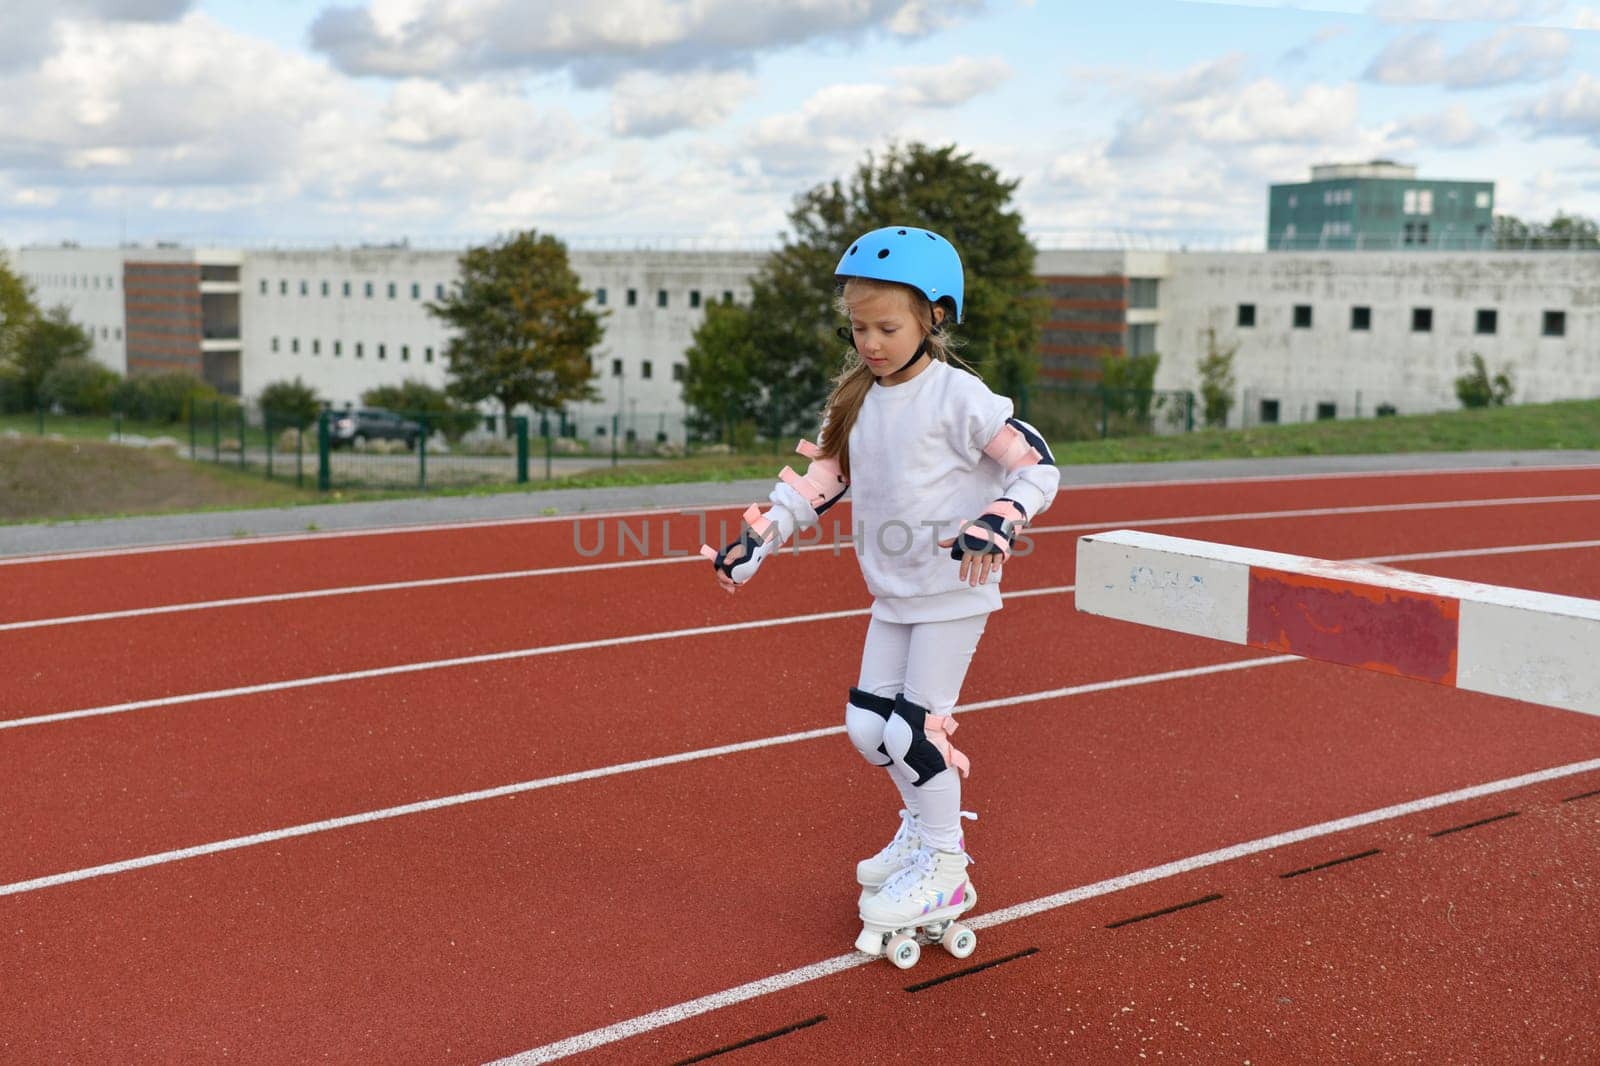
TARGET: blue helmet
(911,256)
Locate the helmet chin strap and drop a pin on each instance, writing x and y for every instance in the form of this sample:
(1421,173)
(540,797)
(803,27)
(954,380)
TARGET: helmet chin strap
(922,350)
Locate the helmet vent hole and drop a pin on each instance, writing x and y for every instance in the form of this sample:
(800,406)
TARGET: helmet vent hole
(902,233)
(883,253)
(930,236)
(853,248)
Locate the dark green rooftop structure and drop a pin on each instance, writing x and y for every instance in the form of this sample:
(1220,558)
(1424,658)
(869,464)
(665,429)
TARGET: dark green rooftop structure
(1379,206)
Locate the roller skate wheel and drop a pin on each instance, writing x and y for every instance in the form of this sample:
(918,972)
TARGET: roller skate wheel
(903,950)
(959,941)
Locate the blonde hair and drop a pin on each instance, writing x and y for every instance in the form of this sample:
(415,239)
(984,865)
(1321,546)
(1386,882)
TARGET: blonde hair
(855,378)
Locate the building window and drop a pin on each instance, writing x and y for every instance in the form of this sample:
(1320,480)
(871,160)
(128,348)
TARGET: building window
(1422,320)
(274,344)
(677,371)
(359,350)
(633,297)
(294,346)
(727,297)
(616,368)
(644,369)
(347,289)
(416,291)
(1142,293)
(1555,323)
(391,290)
(427,355)
(694,297)
(1416,233)
(600,296)
(383,351)
(405,353)
(316,346)
(325,288)
(263,286)
(368,288)
(661,297)
(1482,200)
(1302,316)
(305,287)
(1142,338)
(1247,316)
(1327,411)
(283,287)
(1294,201)
(1488,321)
(1360,318)
(438,292)
(1269,412)
(338,349)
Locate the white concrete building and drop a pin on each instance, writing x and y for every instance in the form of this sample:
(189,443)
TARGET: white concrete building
(348,320)
(1341,334)
(1328,334)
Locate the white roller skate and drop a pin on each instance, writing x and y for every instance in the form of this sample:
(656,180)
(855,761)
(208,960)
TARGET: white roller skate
(896,855)
(926,896)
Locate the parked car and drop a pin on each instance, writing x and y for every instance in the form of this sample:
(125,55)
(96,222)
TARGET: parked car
(371,423)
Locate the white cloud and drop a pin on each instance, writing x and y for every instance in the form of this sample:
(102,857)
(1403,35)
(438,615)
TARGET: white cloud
(650,105)
(1465,10)
(836,123)
(1453,127)
(1569,110)
(1511,54)
(599,42)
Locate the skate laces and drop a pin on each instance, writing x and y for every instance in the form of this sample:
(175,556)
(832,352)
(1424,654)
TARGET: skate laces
(903,883)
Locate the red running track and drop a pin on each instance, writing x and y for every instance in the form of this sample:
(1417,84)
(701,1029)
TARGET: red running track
(487,928)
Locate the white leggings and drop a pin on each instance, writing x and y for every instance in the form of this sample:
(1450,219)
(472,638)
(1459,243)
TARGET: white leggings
(925,663)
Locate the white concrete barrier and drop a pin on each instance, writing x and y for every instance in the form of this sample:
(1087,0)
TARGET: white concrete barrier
(1531,646)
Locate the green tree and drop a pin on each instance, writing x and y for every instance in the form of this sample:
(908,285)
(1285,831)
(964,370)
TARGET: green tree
(1562,232)
(290,404)
(788,344)
(40,345)
(1129,382)
(1477,389)
(523,330)
(722,378)
(80,386)
(413,397)
(1216,381)
(17,311)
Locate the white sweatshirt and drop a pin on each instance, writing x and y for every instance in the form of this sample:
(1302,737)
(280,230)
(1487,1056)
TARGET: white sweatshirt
(917,471)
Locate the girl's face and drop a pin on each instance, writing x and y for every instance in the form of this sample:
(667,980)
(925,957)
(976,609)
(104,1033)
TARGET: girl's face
(887,334)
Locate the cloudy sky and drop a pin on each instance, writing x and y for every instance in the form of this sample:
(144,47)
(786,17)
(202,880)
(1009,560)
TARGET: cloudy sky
(440,121)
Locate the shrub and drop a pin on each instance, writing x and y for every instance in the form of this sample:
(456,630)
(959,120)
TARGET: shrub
(169,397)
(1476,389)
(413,398)
(81,387)
(290,403)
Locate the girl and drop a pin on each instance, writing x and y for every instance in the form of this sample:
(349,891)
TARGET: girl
(925,447)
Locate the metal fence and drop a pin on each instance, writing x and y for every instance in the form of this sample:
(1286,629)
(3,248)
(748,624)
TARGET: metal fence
(1067,412)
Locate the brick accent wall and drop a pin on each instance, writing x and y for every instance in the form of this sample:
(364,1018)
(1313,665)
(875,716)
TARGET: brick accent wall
(1088,323)
(162,308)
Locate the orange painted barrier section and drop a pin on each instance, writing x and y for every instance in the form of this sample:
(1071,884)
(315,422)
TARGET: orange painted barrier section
(1411,634)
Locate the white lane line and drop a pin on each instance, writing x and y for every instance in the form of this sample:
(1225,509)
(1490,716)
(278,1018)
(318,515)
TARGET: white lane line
(1319,512)
(326,825)
(487,523)
(466,660)
(778,982)
(526,653)
(512,575)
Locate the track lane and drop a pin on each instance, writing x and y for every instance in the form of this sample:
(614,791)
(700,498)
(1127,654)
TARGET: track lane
(72,586)
(169,655)
(1430,951)
(450,937)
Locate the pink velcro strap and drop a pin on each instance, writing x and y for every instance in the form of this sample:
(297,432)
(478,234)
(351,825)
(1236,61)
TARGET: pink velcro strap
(937,728)
(1008,512)
(978,531)
(760,525)
(823,482)
(1011,449)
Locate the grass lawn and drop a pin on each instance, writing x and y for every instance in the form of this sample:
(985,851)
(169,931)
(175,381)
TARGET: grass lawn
(81,476)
